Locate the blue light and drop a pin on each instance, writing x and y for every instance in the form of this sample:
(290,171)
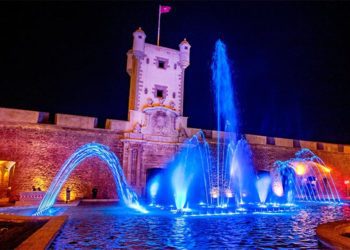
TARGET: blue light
(125,193)
(153,190)
(263,186)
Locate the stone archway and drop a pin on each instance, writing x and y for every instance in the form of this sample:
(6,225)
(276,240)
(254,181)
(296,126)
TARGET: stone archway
(6,174)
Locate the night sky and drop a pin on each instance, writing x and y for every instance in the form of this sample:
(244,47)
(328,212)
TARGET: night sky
(291,60)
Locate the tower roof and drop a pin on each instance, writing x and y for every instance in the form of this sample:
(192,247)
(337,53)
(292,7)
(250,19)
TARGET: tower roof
(140,30)
(184,42)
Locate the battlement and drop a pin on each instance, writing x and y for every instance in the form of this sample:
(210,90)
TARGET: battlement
(18,116)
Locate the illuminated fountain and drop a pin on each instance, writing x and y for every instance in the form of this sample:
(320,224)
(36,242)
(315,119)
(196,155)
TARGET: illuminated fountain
(305,177)
(187,179)
(194,181)
(126,195)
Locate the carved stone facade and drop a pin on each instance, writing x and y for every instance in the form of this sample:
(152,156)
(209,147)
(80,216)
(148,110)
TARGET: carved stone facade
(160,121)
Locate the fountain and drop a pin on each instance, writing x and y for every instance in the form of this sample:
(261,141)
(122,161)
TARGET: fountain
(125,193)
(203,177)
(207,181)
(193,181)
(304,177)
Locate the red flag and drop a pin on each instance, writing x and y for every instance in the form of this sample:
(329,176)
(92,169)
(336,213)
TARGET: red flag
(165,9)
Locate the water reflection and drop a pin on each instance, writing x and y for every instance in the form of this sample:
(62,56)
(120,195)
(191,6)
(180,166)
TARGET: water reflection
(107,227)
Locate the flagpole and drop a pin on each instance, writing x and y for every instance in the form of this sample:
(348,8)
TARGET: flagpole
(158,26)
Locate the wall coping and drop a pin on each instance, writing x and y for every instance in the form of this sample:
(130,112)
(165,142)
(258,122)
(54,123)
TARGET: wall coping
(331,234)
(211,135)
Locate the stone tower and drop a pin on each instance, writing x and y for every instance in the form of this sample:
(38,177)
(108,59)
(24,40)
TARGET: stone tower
(157,86)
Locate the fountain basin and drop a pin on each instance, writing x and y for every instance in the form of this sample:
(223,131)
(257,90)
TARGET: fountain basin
(113,227)
(335,235)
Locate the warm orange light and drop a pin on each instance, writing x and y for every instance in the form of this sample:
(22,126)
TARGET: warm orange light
(300,168)
(323,167)
(39,182)
(346,182)
(327,170)
(214,193)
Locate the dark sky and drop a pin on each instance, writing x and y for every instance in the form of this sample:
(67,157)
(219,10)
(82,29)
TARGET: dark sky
(291,60)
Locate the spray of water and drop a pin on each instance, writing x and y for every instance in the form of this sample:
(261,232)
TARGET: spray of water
(304,177)
(125,193)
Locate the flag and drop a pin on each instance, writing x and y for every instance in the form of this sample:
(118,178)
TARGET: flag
(165,9)
(162,9)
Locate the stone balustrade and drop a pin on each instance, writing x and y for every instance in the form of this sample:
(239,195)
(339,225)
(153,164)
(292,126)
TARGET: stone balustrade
(30,198)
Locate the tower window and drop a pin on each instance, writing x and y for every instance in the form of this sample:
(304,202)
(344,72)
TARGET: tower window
(146,91)
(140,37)
(161,64)
(159,93)
(186,47)
(174,95)
(175,66)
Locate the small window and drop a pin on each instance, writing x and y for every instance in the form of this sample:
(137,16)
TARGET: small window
(161,64)
(146,91)
(175,66)
(147,60)
(159,93)
(186,47)
(140,37)
(174,95)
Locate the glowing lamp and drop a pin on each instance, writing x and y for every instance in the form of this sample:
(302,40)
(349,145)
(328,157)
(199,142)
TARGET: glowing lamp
(228,193)
(323,167)
(300,169)
(327,170)
(214,193)
(346,182)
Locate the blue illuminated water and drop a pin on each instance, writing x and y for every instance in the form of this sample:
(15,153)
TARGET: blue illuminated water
(223,88)
(304,177)
(187,178)
(125,193)
(110,227)
(199,177)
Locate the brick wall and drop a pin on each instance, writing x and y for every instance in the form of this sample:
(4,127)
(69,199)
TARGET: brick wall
(339,162)
(40,150)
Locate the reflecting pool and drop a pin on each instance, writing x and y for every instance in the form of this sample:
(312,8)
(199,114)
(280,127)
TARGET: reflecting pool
(108,227)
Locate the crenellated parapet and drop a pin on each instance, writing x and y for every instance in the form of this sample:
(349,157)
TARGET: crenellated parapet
(158,122)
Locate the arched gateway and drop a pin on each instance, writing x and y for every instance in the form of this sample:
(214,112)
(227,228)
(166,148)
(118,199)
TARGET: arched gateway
(125,193)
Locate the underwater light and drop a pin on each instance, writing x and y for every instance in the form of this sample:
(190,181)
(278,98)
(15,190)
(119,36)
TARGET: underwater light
(323,167)
(277,188)
(214,193)
(154,188)
(300,168)
(228,193)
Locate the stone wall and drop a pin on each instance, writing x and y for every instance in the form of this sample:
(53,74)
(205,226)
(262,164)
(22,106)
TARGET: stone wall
(264,155)
(39,151)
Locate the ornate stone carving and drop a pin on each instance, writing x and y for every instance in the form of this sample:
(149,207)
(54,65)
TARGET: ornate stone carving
(160,121)
(172,104)
(149,101)
(137,128)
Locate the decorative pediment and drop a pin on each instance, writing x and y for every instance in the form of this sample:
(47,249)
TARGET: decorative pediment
(160,121)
